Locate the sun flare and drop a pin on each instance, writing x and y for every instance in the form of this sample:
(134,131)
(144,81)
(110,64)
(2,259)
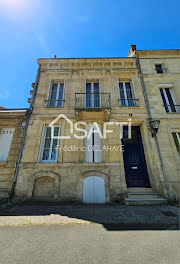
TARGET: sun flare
(15,8)
(13,4)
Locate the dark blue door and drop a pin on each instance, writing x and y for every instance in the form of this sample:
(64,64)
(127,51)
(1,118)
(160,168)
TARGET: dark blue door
(134,159)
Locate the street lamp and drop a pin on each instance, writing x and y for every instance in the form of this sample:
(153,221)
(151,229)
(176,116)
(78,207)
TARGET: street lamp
(154,126)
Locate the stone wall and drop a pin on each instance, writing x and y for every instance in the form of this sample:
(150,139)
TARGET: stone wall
(10,120)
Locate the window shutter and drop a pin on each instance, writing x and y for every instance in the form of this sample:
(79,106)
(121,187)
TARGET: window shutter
(42,143)
(88,155)
(6,136)
(133,88)
(98,145)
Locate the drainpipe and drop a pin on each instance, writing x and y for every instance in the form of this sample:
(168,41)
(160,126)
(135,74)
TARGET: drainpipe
(28,115)
(150,118)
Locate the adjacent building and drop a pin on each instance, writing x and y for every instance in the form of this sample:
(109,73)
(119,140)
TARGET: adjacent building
(12,122)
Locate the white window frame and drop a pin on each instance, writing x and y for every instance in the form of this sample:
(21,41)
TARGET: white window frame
(178,139)
(92,91)
(43,137)
(167,100)
(57,94)
(125,92)
(4,154)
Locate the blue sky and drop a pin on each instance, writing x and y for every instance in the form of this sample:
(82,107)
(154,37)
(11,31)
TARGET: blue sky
(31,29)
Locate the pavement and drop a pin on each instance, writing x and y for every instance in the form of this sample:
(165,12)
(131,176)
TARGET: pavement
(127,217)
(88,243)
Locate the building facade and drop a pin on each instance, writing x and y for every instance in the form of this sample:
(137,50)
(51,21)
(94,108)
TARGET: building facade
(136,90)
(11,130)
(161,74)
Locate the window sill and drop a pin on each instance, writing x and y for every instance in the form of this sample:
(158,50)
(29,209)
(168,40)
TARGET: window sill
(48,162)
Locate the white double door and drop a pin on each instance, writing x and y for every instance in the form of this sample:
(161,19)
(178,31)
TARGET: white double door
(93,190)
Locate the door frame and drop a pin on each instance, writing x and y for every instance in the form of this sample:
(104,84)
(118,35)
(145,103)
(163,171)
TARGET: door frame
(143,156)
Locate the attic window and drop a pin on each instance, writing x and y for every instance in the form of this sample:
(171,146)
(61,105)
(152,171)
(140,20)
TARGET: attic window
(159,68)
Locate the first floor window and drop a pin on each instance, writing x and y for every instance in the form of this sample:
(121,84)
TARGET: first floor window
(176,136)
(92,95)
(57,95)
(93,145)
(48,152)
(6,135)
(126,95)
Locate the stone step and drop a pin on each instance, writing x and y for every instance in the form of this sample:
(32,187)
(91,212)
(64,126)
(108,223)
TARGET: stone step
(138,190)
(144,201)
(4,194)
(144,195)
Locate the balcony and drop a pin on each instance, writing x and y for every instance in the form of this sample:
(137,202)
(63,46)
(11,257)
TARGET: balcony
(92,101)
(92,105)
(54,103)
(172,108)
(128,102)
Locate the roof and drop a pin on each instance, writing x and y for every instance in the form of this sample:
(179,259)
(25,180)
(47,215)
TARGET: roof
(14,110)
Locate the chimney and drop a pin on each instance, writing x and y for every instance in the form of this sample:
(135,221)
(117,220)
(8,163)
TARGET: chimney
(131,50)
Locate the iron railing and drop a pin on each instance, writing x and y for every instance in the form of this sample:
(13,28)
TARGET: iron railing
(54,103)
(92,101)
(172,108)
(128,102)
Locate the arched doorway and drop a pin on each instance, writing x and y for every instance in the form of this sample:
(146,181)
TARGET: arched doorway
(44,187)
(93,190)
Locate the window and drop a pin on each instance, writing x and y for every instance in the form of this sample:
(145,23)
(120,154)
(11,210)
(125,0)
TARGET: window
(92,95)
(93,146)
(127,97)
(159,68)
(176,136)
(48,152)
(56,95)
(169,100)
(6,136)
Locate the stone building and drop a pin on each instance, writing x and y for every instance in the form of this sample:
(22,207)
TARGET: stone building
(161,75)
(11,131)
(143,87)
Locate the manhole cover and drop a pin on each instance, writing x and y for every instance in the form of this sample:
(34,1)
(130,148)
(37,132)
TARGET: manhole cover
(168,213)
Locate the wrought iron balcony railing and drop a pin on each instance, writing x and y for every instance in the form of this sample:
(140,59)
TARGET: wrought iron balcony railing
(172,108)
(92,101)
(128,102)
(54,103)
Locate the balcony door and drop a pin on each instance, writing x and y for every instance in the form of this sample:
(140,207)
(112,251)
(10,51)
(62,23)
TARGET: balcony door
(127,97)
(92,95)
(57,95)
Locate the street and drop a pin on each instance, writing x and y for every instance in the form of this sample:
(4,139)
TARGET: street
(87,243)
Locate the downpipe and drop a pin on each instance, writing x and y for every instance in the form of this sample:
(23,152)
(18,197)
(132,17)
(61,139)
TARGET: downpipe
(28,115)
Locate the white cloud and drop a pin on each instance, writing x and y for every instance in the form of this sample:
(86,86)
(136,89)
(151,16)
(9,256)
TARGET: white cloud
(4,95)
(43,43)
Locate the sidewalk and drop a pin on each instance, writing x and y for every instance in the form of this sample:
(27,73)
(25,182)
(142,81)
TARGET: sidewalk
(49,213)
